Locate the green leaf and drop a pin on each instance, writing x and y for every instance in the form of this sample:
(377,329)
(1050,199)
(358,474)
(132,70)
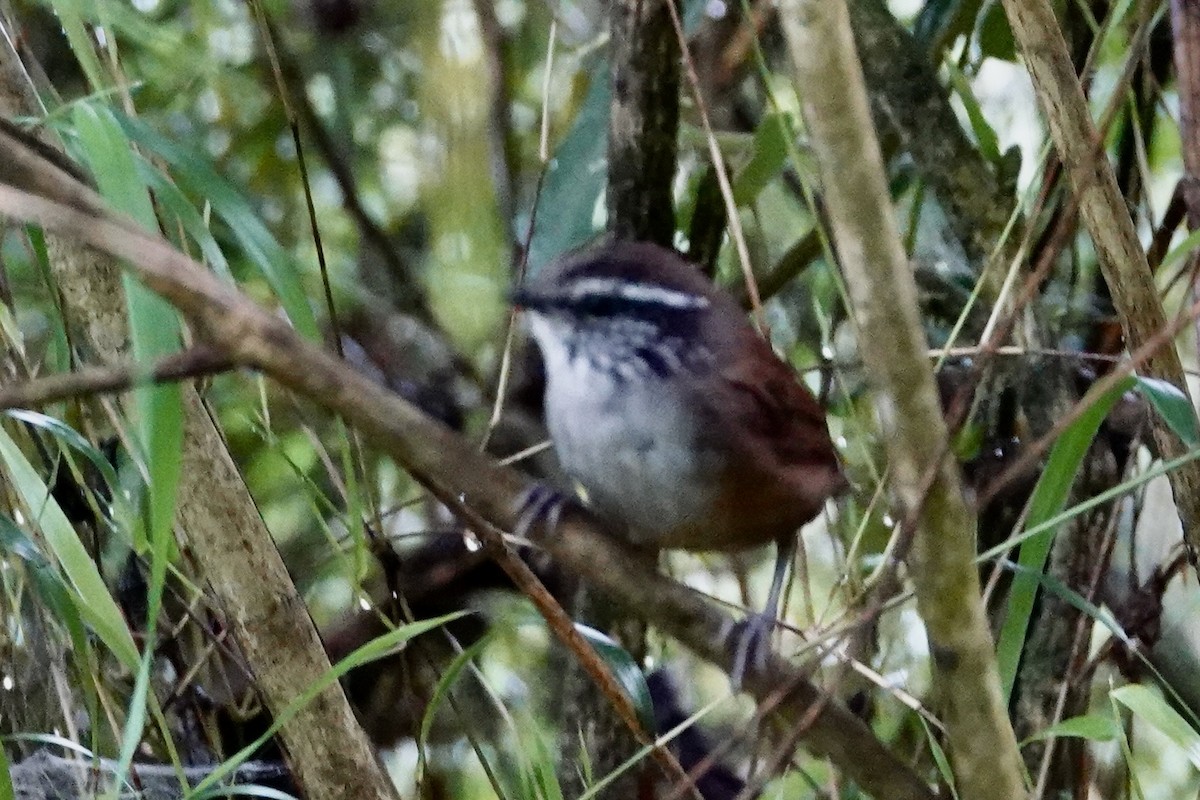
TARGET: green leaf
(1075,599)
(244,790)
(1049,498)
(575,179)
(58,356)
(939,757)
(57,597)
(1153,709)
(1093,727)
(67,435)
(995,35)
(6,786)
(768,154)
(154,333)
(94,602)
(985,136)
(197,176)
(175,202)
(1173,406)
(625,670)
(373,650)
(80,39)
(940,20)
(50,587)
(1181,251)
(442,690)
(154,325)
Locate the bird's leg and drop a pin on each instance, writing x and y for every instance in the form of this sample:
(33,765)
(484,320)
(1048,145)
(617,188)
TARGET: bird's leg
(752,637)
(539,504)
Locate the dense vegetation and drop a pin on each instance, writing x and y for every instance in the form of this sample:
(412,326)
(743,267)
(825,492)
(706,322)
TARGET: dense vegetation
(253,315)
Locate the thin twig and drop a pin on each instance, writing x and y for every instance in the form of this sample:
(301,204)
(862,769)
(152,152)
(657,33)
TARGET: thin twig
(192,363)
(523,264)
(719,167)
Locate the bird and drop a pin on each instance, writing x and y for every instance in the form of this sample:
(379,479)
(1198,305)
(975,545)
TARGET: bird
(673,414)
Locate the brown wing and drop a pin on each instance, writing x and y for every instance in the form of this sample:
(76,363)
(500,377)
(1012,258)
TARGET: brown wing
(784,435)
(772,403)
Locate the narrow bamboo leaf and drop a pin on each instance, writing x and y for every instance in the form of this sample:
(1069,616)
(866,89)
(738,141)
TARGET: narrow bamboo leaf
(1059,589)
(995,35)
(578,171)
(175,202)
(55,740)
(1153,709)
(154,333)
(163,40)
(95,603)
(80,39)
(1173,406)
(244,790)
(769,153)
(1127,753)
(154,328)
(1106,496)
(989,145)
(1180,251)
(541,777)
(373,650)
(442,690)
(626,671)
(939,758)
(1049,498)
(112,163)
(1093,727)
(662,738)
(1078,601)
(575,179)
(70,437)
(135,719)
(6,786)
(197,176)
(51,589)
(938,19)
(63,603)
(58,355)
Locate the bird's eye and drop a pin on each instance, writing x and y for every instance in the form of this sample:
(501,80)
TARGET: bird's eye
(602,305)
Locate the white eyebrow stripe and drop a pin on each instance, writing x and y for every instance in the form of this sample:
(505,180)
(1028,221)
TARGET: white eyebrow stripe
(642,292)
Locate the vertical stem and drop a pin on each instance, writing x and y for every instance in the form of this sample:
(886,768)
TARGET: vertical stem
(883,297)
(1106,216)
(644,63)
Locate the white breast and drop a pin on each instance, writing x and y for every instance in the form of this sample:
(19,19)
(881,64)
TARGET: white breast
(626,442)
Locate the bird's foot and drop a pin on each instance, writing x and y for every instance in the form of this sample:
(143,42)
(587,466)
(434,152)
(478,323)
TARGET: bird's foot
(539,505)
(751,642)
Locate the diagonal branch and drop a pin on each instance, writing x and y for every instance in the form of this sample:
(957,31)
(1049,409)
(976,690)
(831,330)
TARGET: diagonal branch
(448,465)
(38,392)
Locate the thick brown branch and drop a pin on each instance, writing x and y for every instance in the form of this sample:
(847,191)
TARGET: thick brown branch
(454,468)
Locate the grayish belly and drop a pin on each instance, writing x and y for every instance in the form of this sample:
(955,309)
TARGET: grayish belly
(633,450)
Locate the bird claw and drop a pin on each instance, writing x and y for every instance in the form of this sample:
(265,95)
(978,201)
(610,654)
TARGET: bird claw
(539,504)
(751,639)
